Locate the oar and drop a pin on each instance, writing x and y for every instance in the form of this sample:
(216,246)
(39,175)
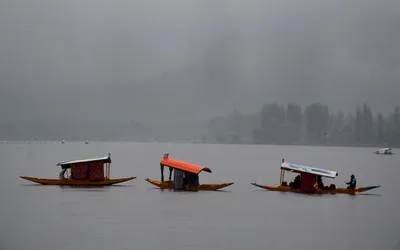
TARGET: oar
(356,192)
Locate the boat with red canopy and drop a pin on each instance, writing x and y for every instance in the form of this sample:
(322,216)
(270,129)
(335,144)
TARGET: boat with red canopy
(88,172)
(310,181)
(186,176)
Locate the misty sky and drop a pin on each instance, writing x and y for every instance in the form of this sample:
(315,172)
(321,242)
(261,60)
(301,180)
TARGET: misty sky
(185,60)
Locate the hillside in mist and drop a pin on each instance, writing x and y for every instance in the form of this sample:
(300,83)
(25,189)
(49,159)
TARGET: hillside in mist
(138,70)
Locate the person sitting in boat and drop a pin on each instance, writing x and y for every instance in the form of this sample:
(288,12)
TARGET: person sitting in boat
(185,178)
(320,183)
(191,180)
(296,184)
(352,183)
(62,173)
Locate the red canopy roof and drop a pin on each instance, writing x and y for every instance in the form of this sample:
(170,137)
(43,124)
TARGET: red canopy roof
(185,166)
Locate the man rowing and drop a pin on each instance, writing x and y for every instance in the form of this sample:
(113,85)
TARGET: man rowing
(352,183)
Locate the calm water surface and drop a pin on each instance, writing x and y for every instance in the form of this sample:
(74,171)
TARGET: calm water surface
(138,216)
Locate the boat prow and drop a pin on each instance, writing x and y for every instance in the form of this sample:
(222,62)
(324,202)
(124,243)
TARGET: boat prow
(377,153)
(346,190)
(71,182)
(277,188)
(204,187)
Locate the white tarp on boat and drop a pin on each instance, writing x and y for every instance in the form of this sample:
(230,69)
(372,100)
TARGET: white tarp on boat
(310,170)
(384,151)
(82,161)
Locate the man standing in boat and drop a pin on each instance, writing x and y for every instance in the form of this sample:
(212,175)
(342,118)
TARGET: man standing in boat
(352,183)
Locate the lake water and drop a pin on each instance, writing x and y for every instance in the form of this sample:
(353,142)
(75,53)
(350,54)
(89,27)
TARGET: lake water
(137,215)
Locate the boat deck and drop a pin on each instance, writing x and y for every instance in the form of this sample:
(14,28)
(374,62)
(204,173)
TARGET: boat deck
(106,182)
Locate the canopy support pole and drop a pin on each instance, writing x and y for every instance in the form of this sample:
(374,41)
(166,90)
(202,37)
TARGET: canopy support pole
(162,172)
(108,170)
(282,177)
(170,173)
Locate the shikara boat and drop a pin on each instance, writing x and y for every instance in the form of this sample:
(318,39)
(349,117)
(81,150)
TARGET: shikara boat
(186,176)
(384,151)
(88,172)
(311,181)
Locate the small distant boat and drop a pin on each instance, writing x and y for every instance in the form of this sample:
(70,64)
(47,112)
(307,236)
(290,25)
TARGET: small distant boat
(384,151)
(89,172)
(63,141)
(309,181)
(185,176)
(86,142)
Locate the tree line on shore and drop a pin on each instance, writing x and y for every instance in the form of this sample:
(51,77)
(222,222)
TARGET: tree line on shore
(313,125)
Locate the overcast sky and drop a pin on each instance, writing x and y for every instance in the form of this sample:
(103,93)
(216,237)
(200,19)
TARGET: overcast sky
(195,59)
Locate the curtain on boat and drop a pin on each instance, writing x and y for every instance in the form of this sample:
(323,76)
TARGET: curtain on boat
(307,182)
(193,179)
(79,171)
(96,171)
(178,179)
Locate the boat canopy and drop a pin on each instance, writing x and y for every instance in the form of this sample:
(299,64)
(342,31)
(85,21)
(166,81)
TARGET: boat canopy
(384,150)
(67,163)
(182,165)
(310,170)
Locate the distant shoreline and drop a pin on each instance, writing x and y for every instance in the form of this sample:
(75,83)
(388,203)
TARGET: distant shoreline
(192,142)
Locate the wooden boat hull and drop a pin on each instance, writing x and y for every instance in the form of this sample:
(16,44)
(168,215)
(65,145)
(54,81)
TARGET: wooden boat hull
(71,182)
(205,187)
(318,191)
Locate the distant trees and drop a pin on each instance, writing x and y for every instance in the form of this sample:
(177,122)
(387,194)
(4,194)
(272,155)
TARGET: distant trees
(380,127)
(273,119)
(279,124)
(364,125)
(294,121)
(276,124)
(393,136)
(316,121)
(232,128)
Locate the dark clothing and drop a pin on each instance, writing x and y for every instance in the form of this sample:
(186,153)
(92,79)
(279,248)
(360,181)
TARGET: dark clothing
(352,183)
(192,180)
(62,174)
(320,183)
(296,184)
